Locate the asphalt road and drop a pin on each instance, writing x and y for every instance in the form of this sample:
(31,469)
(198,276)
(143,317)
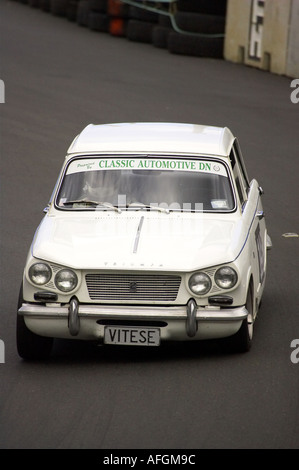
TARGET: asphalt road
(58,78)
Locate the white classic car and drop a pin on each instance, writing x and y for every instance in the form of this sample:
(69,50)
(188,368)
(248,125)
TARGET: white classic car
(154,232)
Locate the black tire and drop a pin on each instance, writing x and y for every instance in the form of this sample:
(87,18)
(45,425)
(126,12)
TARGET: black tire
(82,13)
(118,9)
(71,11)
(58,7)
(29,345)
(196,45)
(241,342)
(160,36)
(141,14)
(45,5)
(98,21)
(217,7)
(200,23)
(140,31)
(98,5)
(34,3)
(164,20)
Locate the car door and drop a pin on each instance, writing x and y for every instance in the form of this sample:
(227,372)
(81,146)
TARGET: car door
(249,194)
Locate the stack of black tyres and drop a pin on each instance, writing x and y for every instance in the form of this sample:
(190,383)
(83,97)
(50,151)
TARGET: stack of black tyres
(161,31)
(203,26)
(44,5)
(140,25)
(119,14)
(34,3)
(197,27)
(95,15)
(65,8)
(108,16)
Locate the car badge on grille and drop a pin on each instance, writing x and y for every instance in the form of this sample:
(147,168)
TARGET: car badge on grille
(133,287)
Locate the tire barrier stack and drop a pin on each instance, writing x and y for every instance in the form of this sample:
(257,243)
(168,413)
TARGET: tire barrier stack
(203,22)
(195,27)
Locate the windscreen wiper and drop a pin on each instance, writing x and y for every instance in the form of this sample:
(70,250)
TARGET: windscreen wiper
(106,205)
(141,206)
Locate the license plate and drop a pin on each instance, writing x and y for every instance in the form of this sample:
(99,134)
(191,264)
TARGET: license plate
(132,336)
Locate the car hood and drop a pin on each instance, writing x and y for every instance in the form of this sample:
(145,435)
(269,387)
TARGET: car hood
(139,240)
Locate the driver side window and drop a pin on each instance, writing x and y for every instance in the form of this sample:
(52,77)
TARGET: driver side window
(241,182)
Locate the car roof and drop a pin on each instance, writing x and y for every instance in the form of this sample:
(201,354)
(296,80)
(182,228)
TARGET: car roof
(150,137)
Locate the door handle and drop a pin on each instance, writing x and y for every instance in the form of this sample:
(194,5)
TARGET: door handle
(260,215)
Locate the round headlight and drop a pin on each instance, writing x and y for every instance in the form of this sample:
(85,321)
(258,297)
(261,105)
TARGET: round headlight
(200,283)
(66,280)
(226,277)
(40,273)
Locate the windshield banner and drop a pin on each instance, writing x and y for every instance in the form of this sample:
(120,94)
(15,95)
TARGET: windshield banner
(160,164)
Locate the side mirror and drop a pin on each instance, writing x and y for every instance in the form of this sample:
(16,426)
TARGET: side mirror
(269,242)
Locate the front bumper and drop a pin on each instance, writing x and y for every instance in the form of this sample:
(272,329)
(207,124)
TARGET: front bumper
(87,322)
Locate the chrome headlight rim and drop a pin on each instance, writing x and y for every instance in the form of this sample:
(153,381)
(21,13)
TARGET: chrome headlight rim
(226,277)
(200,283)
(66,280)
(36,276)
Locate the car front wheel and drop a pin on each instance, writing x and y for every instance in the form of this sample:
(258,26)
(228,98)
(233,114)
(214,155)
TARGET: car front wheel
(242,340)
(29,345)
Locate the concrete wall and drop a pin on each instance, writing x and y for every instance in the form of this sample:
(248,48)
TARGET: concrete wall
(264,34)
(292,66)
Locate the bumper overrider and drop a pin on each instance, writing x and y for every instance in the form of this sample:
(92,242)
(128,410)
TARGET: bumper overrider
(88,321)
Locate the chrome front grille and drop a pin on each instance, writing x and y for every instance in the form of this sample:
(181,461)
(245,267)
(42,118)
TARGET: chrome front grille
(133,287)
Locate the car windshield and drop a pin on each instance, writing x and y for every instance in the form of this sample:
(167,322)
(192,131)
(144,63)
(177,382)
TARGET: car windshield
(139,183)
